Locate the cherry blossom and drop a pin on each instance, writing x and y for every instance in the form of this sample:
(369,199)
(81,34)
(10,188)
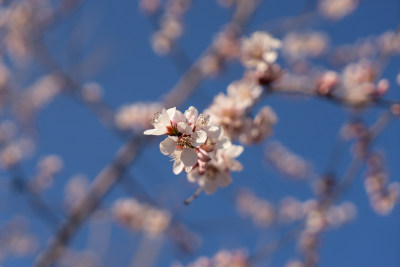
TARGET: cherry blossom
(217,171)
(259,50)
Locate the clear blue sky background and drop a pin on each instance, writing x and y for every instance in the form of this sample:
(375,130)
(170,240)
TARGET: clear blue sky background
(131,73)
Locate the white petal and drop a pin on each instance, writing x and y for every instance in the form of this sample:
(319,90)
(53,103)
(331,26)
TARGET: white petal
(164,118)
(168,146)
(171,113)
(235,165)
(224,179)
(210,187)
(193,176)
(184,128)
(234,151)
(214,131)
(223,143)
(179,117)
(178,167)
(188,169)
(189,157)
(191,114)
(156,131)
(199,138)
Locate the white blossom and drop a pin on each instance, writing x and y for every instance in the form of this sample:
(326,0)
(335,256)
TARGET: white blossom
(259,50)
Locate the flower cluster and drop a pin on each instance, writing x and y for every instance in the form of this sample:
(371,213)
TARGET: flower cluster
(141,217)
(286,162)
(302,45)
(259,51)
(383,196)
(260,211)
(356,85)
(337,9)
(197,146)
(223,258)
(231,111)
(171,27)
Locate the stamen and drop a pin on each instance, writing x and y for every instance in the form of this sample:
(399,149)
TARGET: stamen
(172,156)
(202,120)
(185,141)
(156,118)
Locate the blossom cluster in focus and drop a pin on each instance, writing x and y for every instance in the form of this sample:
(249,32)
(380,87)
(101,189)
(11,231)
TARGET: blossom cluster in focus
(197,146)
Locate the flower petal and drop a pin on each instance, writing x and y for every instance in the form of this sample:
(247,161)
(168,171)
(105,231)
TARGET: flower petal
(234,151)
(191,114)
(193,176)
(214,131)
(210,187)
(156,131)
(235,165)
(184,128)
(178,167)
(179,117)
(199,138)
(223,179)
(171,113)
(168,146)
(164,118)
(189,157)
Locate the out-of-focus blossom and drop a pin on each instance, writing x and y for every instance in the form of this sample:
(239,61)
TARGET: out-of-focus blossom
(286,162)
(15,239)
(357,82)
(259,50)
(227,3)
(290,210)
(327,82)
(260,211)
(150,6)
(92,92)
(356,85)
(293,263)
(337,9)
(223,258)
(383,196)
(260,128)
(217,171)
(18,149)
(141,217)
(136,116)
(231,112)
(320,218)
(389,42)
(171,27)
(226,44)
(48,167)
(302,45)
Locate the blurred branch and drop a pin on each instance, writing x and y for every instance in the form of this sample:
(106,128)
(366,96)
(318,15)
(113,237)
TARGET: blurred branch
(37,205)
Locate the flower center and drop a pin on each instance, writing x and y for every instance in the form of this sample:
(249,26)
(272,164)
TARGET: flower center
(185,141)
(202,120)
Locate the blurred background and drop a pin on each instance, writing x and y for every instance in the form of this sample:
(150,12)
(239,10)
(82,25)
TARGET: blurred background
(81,80)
